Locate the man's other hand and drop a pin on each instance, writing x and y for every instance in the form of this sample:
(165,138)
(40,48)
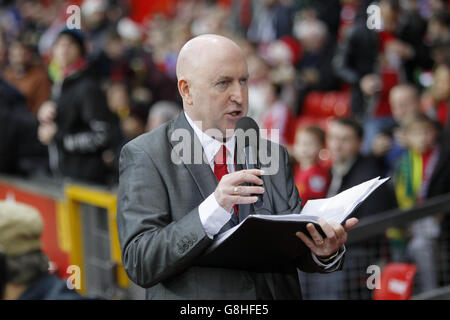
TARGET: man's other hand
(336,237)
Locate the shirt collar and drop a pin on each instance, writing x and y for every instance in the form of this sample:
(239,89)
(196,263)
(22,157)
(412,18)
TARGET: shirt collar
(342,169)
(210,145)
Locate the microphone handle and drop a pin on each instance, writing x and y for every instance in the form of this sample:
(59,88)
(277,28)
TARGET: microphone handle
(253,165)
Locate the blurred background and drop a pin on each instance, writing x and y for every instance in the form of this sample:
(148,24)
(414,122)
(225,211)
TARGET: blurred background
(355,88)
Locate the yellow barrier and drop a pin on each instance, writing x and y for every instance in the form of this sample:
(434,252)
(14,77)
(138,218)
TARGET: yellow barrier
(75,195)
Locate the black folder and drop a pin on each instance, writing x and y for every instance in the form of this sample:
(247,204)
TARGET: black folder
(267,243)
(260,245)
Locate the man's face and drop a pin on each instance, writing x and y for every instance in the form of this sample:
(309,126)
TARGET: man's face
(66,51)
(19,55)
(219,91)
(404,104)
(389,15)
(343,142)
(421,137)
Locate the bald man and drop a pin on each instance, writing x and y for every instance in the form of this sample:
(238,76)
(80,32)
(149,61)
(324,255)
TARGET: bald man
(180,187)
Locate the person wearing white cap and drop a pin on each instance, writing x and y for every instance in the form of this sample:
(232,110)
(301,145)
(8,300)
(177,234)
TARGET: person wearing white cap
(23,266)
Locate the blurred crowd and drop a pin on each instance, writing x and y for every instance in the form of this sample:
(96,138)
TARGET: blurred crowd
(354,93)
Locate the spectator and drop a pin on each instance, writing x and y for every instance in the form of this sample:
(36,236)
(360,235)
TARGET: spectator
(109,63)
(21,153)
(437,99)
(259,86)
(374,61)
(241,15)
(118,99)
(350,168)
(96,24)
(160,113)
(314,68)
(133,125)
(271,20)
(389,145)
(327,11)
(438,36)
(27,76)
(77,123)
(147,82)
(26,276)
(311,178)
(123,59)
(276,119)
(423,172)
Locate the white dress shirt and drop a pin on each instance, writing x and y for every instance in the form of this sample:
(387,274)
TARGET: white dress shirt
(212,216)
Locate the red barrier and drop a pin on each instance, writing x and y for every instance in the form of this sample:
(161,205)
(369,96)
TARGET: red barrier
(48,209)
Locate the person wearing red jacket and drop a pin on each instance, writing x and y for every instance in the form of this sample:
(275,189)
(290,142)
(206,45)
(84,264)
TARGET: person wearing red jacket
(311,178)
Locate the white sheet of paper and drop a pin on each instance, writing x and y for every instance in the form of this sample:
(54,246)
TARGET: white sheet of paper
(336,208)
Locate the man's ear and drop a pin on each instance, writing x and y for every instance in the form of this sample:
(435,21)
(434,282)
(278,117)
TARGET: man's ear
(185,90)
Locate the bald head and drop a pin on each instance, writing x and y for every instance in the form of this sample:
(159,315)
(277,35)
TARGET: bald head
(201,50)
(212,77)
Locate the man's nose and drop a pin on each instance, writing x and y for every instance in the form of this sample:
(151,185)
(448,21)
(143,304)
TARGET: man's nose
(236,93)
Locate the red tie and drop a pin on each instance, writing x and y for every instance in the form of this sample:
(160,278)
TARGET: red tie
(220,166)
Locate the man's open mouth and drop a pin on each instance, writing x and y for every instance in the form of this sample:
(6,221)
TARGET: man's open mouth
(235,113)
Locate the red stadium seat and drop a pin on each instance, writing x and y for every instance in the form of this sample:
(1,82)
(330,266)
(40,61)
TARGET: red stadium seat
(397,281)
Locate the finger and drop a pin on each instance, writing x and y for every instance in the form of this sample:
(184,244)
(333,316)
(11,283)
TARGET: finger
(327,229)
(341,235)
(249,176)
(309,243)
(245,190)
(243,200)
(257,172)
(350,223)
(315,235)
(338,230)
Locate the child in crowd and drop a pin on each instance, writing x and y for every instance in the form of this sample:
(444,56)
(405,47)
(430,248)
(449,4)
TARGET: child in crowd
(414,175)
(389,145)
(416,166)
(311,178)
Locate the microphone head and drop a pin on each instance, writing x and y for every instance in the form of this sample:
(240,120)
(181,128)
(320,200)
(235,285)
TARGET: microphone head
(247,127)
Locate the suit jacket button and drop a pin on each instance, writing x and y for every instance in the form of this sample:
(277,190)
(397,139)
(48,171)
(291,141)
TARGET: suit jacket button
(194,238)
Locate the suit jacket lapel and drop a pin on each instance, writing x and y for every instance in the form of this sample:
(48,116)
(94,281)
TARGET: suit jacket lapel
(198,168)
(201,172)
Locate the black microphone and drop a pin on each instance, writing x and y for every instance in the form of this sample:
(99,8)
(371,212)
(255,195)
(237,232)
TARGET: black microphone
(247,150)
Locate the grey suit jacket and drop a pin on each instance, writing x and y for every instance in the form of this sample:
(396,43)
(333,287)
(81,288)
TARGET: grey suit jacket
(160,232)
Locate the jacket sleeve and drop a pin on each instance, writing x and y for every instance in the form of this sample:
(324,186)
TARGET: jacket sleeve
(97,118)
(341,60)
(154,247)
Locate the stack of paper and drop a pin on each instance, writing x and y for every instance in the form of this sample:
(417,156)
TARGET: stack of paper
(340,206)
